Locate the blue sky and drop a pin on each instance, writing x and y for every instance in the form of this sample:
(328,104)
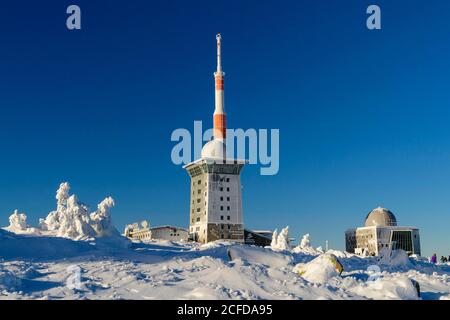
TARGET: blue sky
(363,115)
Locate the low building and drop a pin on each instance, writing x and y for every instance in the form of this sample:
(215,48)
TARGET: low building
(169,233)
(143,232)
(382,232)
(138,231)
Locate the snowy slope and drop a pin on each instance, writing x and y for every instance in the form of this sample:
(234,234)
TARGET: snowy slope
(33,267)
(78,254)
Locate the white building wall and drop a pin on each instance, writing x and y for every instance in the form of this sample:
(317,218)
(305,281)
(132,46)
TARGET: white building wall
(171,234)
(231,189)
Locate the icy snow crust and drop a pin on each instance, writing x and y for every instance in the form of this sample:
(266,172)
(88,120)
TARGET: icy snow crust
(36,267)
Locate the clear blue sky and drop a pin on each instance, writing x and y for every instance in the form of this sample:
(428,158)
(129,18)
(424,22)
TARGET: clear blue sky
(363,115)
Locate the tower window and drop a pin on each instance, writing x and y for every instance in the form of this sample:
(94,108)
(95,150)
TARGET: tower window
(221,217)
(228,208)
(221,189)
(228,188)
(228,217)
(198,200)
(221,208)
(229,227)
(199,191)
(199,181)
(221,198)
(228,198)
(228,179)
(198,209)
(198,219)
(221,226)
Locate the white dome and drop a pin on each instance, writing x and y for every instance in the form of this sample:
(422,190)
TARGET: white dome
(214,149)
(380,217)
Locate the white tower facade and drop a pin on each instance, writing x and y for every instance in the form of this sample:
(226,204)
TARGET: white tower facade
(216,196)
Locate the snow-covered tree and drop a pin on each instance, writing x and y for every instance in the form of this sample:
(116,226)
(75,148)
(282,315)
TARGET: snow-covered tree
(62,194)
(305,242)
(282,240)
(72,219)
(17,221)
(305,246)
(274,239)
(102,222)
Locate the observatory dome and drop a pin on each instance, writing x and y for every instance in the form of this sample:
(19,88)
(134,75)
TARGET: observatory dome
(214,149)
(380,217)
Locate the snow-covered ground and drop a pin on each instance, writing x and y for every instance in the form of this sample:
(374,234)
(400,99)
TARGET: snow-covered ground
(74,254)
(36,267)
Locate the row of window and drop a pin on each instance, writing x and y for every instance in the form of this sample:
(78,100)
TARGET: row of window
(199,191)
(228,208)
(199,182)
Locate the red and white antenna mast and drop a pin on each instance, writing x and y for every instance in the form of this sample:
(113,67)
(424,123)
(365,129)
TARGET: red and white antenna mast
(220,117)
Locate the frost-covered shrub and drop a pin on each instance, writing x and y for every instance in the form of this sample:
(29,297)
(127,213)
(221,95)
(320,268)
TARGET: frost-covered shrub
(17,221)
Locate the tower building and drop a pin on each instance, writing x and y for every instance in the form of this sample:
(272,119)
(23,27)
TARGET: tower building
(216,198)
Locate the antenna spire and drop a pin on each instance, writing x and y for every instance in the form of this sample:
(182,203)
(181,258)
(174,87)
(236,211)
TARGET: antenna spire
(219,57)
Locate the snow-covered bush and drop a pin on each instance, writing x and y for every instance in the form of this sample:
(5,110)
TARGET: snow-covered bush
(102,222)
(280,241)
(305,242)
(305,246)
(17,221)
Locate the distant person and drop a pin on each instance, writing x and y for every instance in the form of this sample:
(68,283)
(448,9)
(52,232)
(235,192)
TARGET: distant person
(434,259)
(442,259)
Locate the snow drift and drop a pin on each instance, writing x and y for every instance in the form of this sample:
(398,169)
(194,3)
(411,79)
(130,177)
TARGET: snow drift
(321,269)
(258,255)
(396,258)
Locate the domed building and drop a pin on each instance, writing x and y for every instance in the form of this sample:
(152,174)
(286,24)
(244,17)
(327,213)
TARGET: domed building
(381,232)
(380,217)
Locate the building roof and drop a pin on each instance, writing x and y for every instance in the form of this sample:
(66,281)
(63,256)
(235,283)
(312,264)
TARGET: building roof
(168,227)
(380,217)
(215,160)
